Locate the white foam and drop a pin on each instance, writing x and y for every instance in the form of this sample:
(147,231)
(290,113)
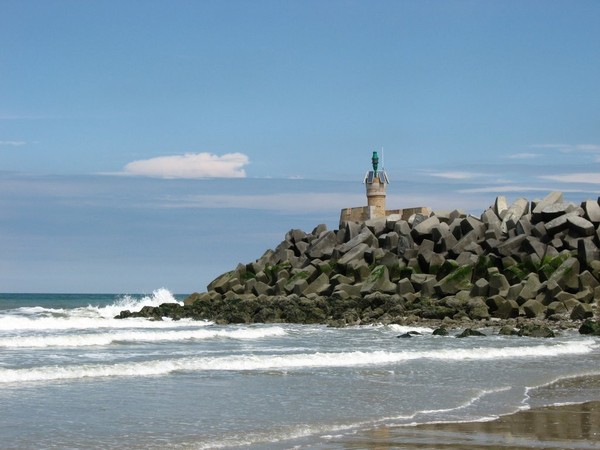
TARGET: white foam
(405,329)
(468,402)
(96,339)
(285,362)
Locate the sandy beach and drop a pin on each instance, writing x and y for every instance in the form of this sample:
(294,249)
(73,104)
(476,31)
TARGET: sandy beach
(554,427)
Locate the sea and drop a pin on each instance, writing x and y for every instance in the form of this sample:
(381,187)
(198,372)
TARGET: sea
(72,377)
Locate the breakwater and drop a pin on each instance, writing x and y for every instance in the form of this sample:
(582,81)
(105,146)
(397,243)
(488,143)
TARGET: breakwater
(519,262)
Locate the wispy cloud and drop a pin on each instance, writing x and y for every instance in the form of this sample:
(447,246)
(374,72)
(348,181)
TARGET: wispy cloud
(284,202)
(584,177)
(569,148)
(525,156)
(191,165)
(12,143)
(454,175)
(515,188)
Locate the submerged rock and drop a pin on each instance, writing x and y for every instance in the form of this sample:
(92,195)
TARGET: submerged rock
(470,332)
(536,330)
(590,327)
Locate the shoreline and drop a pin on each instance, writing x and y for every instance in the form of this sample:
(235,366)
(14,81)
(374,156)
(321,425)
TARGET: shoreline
(568,424)
(559,426)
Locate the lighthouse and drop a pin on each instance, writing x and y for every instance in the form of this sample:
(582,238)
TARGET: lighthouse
(375,183)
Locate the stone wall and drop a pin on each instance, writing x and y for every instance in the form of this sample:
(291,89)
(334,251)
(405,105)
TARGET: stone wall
(364,213)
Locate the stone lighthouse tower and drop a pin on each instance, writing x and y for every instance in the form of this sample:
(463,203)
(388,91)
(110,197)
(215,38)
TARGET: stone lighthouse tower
(375,181)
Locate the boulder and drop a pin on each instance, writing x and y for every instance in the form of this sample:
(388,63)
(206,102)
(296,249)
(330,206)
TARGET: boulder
(587,281)
(581,226)
(500,206)
(534,309)
(567,275)
(405,244)
(424,229)
(351,230)
(378,281)
(471,223)
(377,225)
(347,291)
(405,287)
(470,332)
(511,245)
(465,241)
(477,309)
(480,288)
(423,282)
(533,245)
(358,269)
(531,288)
(587,251)
(591,211)
(491,219)
(356,253)
(389,241)
(550,199)
(222,283)
(365,237)
(323,246)
(458,280)
(319,286)
(507,330)
(507,309)
(513,214)
(498,283)
(536,330)
(556,308)
(558,224)
(590,327)
(494,302)
(582,311)
(555,210)
(295,235)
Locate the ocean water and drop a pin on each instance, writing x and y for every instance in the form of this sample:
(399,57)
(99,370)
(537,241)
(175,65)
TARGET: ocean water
(72,376)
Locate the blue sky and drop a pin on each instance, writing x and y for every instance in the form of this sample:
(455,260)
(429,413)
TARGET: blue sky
(150,144)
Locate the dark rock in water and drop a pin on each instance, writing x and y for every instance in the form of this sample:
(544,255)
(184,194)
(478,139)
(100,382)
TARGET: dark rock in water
(123,314)
(590,327)
(507,330)
(441,331)
(470,332)
(536,330)
(408,335)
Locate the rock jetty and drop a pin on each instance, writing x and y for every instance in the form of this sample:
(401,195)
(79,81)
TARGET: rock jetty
(516,264)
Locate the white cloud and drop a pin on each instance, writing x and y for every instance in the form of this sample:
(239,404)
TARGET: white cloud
(12,143)
(191,165)
(584,177)
(525,155)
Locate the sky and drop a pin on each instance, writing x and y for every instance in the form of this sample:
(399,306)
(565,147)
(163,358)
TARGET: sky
(149,144)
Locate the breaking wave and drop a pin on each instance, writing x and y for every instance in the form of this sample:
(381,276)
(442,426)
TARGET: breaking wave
(108,338)
(250,362)
(40,318)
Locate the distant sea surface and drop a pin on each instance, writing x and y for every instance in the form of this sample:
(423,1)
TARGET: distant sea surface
(72,376)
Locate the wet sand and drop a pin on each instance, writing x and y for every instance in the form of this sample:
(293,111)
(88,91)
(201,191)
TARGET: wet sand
(553,427)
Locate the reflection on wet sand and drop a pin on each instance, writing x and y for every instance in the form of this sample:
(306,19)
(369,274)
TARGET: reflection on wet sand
(553,427)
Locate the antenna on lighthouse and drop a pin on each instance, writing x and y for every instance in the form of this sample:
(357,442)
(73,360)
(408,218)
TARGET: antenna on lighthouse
(382,160)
